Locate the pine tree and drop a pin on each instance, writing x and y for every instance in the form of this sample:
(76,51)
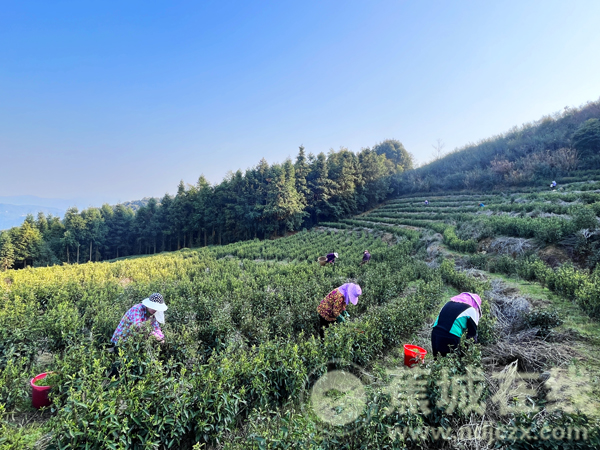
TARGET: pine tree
(320,188)
(7,251)
(75,224)
(302,169)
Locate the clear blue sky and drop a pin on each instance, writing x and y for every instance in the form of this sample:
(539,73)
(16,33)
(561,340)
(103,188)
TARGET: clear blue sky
(117,100)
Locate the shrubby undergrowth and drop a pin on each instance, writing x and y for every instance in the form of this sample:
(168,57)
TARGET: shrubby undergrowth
(241,335)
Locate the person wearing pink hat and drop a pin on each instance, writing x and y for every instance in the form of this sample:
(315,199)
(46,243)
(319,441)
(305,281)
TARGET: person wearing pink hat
(461,314)
(333,307)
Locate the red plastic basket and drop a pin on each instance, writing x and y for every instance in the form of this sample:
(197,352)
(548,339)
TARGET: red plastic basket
(412,354)
(39,394)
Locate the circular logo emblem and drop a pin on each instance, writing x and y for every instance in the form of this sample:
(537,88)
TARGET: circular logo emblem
(337,399)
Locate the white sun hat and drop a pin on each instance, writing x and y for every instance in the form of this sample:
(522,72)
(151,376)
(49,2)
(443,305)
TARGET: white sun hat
(157,302)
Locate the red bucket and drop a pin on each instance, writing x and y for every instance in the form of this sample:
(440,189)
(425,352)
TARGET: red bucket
(39,394)
(412,354)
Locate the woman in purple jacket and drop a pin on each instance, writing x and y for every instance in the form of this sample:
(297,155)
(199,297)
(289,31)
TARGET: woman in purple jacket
(331,258)
(366,257)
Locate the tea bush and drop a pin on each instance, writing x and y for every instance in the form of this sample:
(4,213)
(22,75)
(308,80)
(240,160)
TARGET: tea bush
(241,349)
(545,320)
(450,238)
(240,334)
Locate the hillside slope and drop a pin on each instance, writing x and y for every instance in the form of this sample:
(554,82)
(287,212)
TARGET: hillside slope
(563,145)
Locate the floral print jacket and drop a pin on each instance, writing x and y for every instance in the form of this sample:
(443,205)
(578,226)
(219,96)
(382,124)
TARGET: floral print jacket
(332,305)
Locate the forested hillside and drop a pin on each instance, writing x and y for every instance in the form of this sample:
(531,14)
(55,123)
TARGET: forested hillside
(264,201)
(565,145)
(270,200)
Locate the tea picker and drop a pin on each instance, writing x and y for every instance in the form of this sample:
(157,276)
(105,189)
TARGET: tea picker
(366,257)
(460,314)
(426,202)
(553,185)
(151,309)
(331,259)
(333,307)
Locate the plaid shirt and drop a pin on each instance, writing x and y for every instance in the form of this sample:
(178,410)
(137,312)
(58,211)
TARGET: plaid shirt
(135,316)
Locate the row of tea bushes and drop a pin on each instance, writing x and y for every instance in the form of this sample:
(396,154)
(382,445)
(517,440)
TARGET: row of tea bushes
(240,336)
(580,286)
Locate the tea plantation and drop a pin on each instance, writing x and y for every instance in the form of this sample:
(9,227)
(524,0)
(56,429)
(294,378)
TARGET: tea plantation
(242,351)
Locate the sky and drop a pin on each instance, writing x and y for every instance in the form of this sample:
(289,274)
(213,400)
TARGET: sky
(114,101)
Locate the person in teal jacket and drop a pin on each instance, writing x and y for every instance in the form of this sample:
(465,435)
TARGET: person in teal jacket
(461,314)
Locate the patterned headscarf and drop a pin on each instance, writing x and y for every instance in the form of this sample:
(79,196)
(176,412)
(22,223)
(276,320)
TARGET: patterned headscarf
(351,292)
(470,299)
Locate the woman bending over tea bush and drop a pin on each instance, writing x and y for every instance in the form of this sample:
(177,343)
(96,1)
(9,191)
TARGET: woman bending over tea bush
(366,257)
(333,307)
(460,314)
(152,309)
(331,258)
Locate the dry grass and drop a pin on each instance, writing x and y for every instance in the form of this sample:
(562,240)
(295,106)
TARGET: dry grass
(510,246)
(529,353)
(516,342)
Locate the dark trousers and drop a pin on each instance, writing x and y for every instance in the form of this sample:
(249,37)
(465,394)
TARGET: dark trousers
(114,368)
(322,325)
(443,342)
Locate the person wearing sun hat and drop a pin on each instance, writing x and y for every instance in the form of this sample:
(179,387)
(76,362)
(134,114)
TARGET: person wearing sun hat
(152,308)
(333,307)
(460,314)
(331,257)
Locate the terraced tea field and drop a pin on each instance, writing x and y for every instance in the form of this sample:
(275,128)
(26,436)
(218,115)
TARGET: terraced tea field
(242,358)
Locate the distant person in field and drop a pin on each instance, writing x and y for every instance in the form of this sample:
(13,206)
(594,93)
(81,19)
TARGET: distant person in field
(553,185)
(333,307)
(481,205)
(331,258)
(460,314)
(426,202)
(366,257)
(151,309)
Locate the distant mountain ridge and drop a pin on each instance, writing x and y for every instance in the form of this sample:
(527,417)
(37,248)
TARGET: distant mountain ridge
(28,200)
(14,209)
(14,215)
(137,204)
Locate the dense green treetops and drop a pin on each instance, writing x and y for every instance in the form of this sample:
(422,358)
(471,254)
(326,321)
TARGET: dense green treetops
(587,138)
(263,202)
